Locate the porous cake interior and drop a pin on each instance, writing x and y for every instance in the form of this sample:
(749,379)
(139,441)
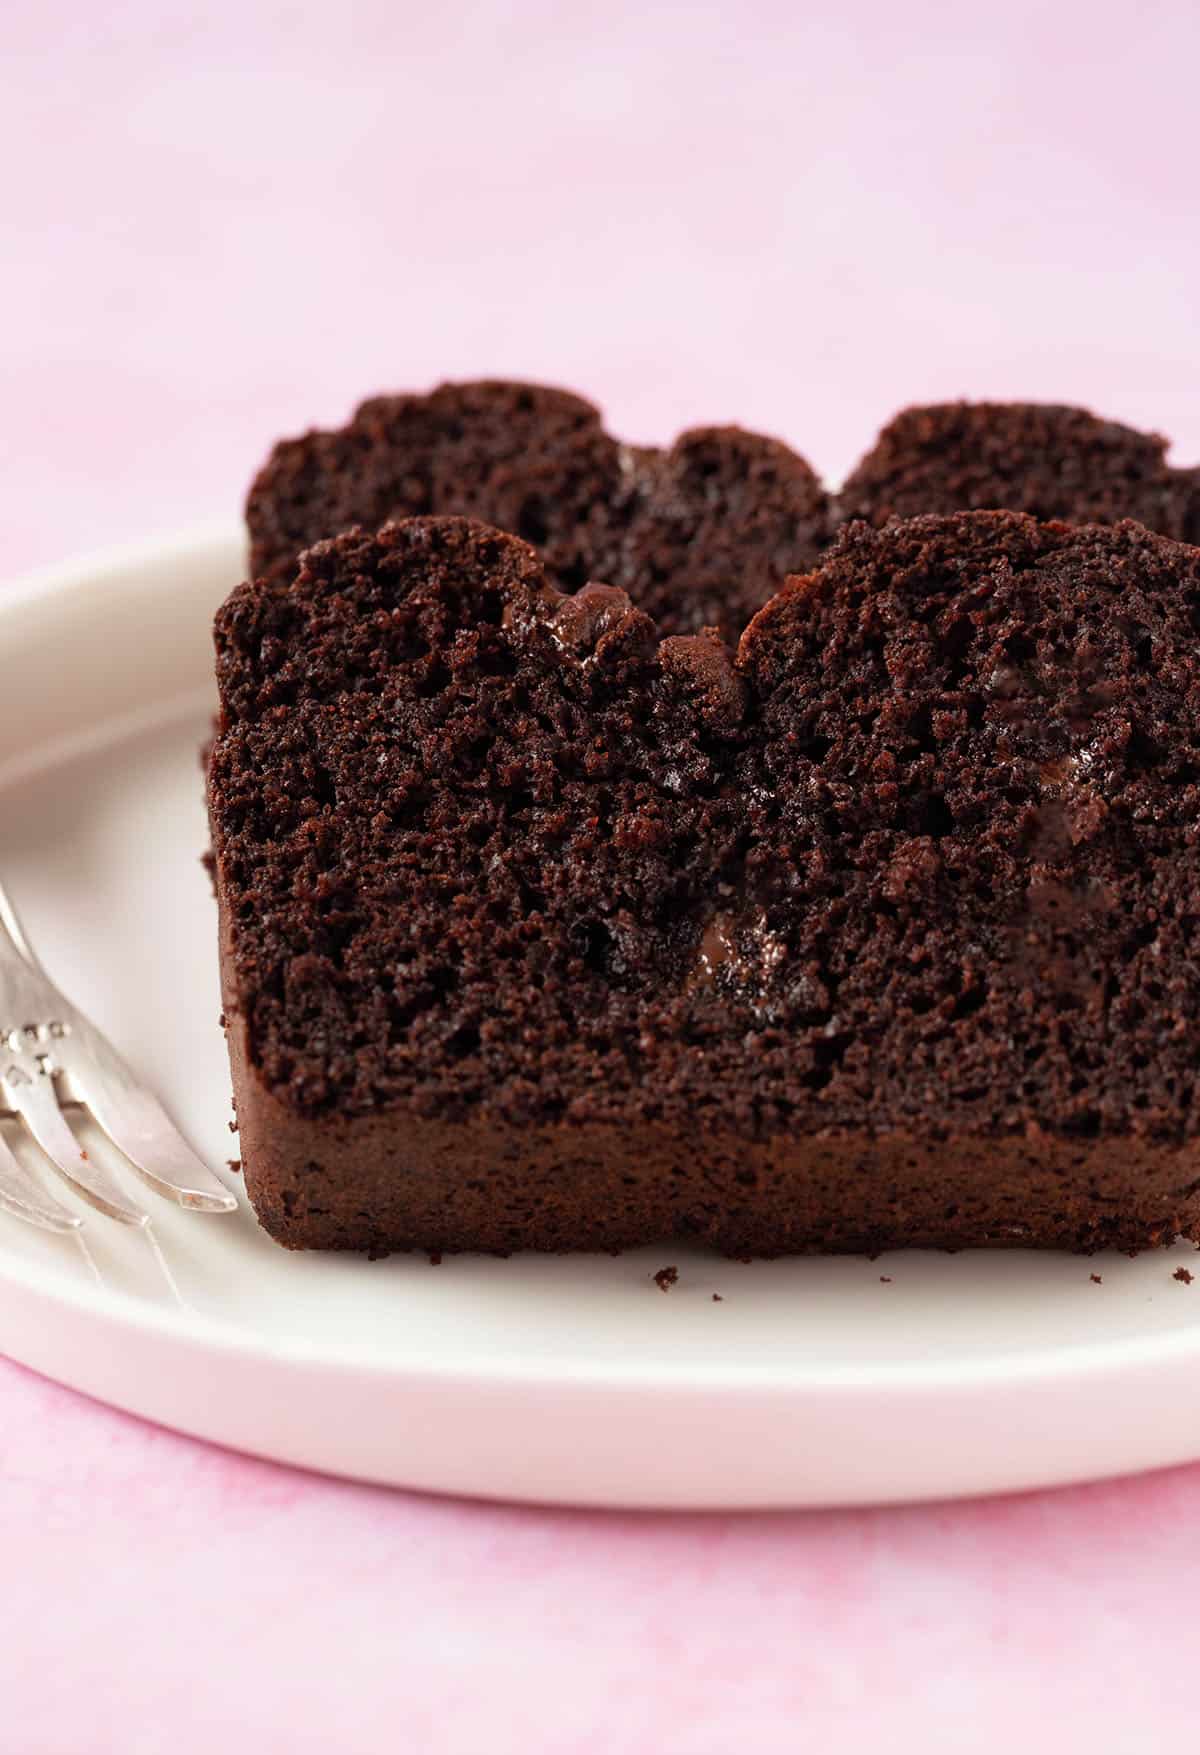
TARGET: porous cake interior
(1051,461)
(919,862)
(926,851)
(699,534)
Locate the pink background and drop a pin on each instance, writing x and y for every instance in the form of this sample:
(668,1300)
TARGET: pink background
(225,223)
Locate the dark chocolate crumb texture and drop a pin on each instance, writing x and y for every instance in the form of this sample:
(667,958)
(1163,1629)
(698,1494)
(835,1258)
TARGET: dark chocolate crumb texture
(1026,457)
(703,533)
(700,534)
(541,930)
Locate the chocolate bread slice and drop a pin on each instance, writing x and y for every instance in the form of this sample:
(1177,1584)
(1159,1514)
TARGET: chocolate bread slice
(540,930)
(700,534)
(1032,457)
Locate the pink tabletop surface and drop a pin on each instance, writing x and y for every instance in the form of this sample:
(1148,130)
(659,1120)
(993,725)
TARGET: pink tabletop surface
(223,223)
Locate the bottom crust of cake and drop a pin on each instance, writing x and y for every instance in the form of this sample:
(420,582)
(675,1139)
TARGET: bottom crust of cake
(386,1183)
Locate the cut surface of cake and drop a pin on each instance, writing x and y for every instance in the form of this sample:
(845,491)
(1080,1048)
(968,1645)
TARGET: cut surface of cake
(1051,461)
(541,930)
(699,534)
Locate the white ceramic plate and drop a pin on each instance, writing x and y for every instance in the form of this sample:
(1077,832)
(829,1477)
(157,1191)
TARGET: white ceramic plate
(573,1379)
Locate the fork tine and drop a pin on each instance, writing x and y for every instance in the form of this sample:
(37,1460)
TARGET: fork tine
(21,1195)
(35,1101)
(133,1119)
(139,1126)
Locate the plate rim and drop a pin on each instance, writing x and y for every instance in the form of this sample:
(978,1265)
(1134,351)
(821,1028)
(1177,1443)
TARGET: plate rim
(1011,1369)
(789,1383)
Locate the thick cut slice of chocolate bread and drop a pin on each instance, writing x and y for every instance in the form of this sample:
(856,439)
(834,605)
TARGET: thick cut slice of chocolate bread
(700,534)
(1026,457)
(541,931)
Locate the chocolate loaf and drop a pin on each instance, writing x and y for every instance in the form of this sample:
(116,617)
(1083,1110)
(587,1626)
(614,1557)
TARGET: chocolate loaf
(699,534)
(1031,457)
(542,930)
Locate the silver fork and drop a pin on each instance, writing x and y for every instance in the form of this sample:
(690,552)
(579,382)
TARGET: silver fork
(50,1053)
